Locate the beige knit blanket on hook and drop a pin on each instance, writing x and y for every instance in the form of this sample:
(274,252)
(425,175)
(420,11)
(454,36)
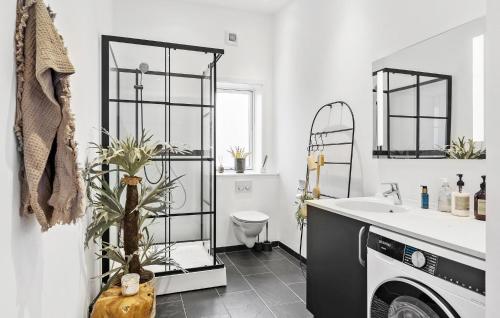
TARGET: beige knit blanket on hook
(51,186)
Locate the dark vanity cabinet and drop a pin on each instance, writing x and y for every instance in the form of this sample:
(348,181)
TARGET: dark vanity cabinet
(336,265)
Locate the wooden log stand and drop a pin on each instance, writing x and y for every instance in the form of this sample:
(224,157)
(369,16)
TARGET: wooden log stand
(111,303)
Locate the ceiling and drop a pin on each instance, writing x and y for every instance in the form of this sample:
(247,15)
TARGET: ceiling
(262,6)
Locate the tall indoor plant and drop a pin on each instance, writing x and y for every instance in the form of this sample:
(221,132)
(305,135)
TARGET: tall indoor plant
(127,156)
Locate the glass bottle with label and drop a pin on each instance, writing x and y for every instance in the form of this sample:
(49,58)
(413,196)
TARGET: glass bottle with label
(480,202)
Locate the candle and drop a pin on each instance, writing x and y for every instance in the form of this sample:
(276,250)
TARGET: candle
(130,284)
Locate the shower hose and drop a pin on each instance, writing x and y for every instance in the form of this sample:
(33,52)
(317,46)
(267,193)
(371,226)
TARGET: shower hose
(163,164)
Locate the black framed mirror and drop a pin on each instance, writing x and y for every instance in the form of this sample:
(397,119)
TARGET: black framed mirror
(428,99)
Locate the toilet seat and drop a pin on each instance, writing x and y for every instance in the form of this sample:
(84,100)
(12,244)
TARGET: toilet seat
(250,217)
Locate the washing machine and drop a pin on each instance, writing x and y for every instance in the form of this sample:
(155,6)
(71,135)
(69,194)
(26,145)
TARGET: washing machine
(409,278)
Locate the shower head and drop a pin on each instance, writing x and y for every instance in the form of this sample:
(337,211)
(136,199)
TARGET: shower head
(143,67)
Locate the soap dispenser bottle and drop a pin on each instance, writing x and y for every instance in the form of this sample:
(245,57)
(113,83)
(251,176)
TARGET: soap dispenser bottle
(444,200)
(480,202)
(460,201)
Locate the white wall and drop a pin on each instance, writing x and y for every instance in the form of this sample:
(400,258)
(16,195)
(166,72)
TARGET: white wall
(47,274)
(250,62)
(492,113)
(324,52)
(203,25)
(263,197)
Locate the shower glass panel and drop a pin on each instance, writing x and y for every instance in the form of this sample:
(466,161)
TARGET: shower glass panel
(168,90)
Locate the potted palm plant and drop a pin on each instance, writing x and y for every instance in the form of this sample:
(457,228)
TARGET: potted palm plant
(131,218)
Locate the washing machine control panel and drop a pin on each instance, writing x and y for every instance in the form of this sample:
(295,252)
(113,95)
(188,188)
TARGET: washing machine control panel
(420,259)
(452,271)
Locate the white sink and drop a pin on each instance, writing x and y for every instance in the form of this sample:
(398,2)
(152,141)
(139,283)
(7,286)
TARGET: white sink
(369,206)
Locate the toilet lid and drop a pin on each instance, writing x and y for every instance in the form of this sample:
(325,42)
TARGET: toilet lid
(250,216)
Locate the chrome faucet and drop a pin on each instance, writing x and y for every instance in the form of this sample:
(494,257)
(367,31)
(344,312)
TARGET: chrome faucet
(394,191)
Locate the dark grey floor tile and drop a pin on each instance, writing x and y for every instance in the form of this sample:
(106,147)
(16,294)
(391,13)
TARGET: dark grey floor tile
(286,271)
(194,296)
(204,303)
(168,298)
(170,310)
(271,289)
(247,263)
(294,310)
(235,282)
(246,305)
(299,289)
(223,257)
(291,258)
(267,256)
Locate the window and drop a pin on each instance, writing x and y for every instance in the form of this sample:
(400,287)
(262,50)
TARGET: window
(235,124)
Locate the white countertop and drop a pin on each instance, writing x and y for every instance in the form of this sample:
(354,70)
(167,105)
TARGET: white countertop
(465,235)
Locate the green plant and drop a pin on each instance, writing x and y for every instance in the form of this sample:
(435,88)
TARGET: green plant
(300,212)
(127,156)
(465,149)
(238,152)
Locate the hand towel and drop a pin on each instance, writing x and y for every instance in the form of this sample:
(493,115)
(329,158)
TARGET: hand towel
(51,184)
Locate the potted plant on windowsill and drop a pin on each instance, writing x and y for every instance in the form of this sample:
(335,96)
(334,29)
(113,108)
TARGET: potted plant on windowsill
(128,156)
(240,155)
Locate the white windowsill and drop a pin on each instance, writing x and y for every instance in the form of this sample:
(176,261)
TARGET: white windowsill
(248,173)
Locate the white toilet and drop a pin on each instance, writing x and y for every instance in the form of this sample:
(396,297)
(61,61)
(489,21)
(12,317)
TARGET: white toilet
(247,225)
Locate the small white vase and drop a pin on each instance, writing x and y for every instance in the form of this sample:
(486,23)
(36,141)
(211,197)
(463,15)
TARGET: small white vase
(130,284)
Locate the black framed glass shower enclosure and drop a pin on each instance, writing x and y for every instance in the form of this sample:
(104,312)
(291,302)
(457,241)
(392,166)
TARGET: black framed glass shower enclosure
(168,90)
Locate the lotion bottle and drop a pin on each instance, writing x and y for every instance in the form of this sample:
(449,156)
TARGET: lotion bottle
(460,201)
(444,200)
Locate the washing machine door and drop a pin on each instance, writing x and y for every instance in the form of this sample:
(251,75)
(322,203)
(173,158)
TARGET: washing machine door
(405,298)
